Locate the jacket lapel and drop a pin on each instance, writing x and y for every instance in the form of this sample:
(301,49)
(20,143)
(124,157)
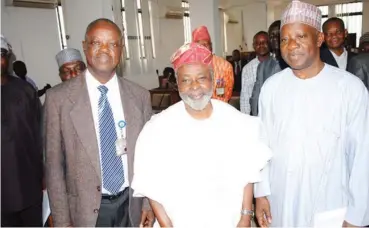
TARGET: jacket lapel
(327,57)
(349,56)
(131,114)
(81,115)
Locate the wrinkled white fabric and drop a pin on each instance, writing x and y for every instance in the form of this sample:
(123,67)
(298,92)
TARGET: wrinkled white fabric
(318,130)
(197,169)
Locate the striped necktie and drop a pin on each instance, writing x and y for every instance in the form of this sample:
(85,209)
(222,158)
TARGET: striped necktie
(112,166)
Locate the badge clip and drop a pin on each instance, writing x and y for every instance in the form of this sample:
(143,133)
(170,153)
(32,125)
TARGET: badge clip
(121,143)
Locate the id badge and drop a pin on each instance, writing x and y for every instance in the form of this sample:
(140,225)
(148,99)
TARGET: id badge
(121,145)
(220,91)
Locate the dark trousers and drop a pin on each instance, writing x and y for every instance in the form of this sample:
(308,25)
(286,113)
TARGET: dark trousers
(114,212)
(31,216)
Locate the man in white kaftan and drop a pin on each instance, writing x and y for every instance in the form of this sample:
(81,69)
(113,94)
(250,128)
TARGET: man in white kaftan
(319,133)
(318,130)
(199,173)
(197,168)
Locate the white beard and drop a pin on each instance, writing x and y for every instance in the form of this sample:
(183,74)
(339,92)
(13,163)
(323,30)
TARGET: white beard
(197,105)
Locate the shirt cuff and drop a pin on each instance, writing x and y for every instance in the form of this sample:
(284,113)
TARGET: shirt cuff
(261,189)
(355,218)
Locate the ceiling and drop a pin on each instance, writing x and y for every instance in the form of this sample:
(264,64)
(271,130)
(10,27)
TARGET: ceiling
(226,4)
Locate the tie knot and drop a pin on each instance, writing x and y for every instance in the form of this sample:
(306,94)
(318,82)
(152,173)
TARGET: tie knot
(103,89)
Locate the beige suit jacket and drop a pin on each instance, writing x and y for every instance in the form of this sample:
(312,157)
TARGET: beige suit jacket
(73,173)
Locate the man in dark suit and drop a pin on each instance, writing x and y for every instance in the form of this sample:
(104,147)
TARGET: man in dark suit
(21,149)
(335,53)
(238,63)
(92,123)
(359,66)
(364,43)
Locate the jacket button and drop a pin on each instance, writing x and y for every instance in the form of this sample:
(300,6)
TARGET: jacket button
(96,210)
(98,188)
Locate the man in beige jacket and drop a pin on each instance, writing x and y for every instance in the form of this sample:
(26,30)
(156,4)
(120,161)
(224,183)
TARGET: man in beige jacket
(92,123)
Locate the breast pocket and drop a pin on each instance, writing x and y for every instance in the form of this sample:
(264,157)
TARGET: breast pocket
(327,144)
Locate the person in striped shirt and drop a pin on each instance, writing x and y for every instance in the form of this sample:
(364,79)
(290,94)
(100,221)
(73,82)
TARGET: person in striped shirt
(223,71)
(262,50)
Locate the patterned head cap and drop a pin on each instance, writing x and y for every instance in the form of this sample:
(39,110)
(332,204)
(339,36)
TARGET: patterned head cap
(200,33)
(191,53)
(4,43)
(364,38)
(301,12)
(68,55)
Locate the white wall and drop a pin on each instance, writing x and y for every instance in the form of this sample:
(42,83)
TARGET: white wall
(168,33)
(365,17)
(254,20)
(278,10)
(77,17)
(234,31)
(206,12)
(141,71)
(34,37)
(274,12)
(37,32)
(270,14)
(169,36)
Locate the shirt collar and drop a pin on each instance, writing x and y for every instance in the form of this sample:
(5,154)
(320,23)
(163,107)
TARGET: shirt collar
(93,83)
(344,54)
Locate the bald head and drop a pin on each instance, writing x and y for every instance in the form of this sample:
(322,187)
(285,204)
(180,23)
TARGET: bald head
(103,46)
(99,21)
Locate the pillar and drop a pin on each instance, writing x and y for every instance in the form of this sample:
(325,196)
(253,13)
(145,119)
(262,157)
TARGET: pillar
(206,12)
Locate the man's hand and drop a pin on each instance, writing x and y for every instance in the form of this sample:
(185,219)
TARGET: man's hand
(147,218)
(47,86)
(245,221)
(262,212)
(346,224)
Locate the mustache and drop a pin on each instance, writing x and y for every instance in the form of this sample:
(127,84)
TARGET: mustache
(103,55)
(196,104)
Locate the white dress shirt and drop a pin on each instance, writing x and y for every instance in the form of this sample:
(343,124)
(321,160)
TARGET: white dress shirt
(118,114)
(341,59)
(248,81)
(237,66)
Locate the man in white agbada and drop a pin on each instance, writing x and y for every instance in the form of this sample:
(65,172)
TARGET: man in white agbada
(317,121)
(196,161)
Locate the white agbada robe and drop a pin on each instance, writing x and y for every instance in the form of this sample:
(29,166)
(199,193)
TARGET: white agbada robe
(318,130)
(197,169)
